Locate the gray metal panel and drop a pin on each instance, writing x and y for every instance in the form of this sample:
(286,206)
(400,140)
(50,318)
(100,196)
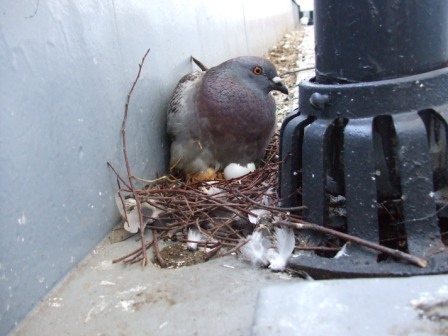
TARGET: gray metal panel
(315,171)
(360,183)
(420,216)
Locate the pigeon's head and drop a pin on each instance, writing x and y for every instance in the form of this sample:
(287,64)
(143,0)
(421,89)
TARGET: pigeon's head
(259,71)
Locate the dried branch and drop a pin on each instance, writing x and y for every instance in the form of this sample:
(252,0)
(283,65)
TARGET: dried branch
(267,207)
(383,249)
(133,253)
(128,166)
(157,250)
(118,175)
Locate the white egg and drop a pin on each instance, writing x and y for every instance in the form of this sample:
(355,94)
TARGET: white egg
(235,170)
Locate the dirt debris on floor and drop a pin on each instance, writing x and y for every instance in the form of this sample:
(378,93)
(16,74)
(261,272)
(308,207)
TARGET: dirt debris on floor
(286,56)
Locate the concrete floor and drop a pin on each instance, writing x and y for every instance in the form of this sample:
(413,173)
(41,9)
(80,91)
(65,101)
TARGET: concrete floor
(101,298)
(227,296)
(415,306)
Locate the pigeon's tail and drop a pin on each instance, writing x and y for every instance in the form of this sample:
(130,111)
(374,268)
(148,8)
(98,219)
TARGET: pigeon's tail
(199,64)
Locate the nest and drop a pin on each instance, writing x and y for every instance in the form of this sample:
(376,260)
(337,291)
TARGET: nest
(223,211)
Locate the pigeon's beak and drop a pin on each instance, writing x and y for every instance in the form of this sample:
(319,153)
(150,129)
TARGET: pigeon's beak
(279,86)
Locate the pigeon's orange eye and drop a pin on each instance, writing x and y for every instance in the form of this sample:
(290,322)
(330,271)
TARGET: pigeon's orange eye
(257,70)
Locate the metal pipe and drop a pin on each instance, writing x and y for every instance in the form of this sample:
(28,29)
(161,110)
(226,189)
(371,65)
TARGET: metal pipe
(362,41)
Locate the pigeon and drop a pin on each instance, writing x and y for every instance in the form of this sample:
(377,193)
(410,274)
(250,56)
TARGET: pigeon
(222,115)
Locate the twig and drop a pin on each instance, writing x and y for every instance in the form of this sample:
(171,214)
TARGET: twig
(225,223)
(157,250)
(317,248)
(213,252)
(383,249)
(232,207)
(236,248)
(297,71)
(148,245)
(298,208)
(118,175)
(122,204)
(126,160)
(168,178)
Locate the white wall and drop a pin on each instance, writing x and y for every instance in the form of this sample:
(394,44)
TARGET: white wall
(66,67)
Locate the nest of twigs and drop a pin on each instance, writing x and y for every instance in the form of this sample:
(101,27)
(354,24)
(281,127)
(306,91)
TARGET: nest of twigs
(225,212)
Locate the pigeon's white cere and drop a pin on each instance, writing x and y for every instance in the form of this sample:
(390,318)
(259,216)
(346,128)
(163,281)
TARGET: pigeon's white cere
(276,79)
(193,238)
(234,170)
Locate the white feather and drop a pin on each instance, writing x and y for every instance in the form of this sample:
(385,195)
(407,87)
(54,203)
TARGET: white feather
(130,212)
(255,249)
(342,252)
(285,241)
(133,223)
(276,262)
(213,191)
(285,246)
(193,238)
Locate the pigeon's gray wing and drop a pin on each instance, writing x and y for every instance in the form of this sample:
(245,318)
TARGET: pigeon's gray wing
(187,152)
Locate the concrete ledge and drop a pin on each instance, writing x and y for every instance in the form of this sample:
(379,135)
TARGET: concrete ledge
(398,306)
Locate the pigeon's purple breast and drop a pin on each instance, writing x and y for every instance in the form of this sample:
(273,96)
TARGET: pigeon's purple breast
(238,119)
(223,115)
